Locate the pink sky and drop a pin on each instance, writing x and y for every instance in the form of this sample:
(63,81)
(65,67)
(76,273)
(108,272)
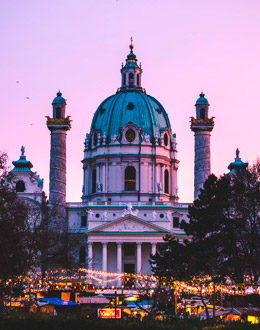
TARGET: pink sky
(185,46)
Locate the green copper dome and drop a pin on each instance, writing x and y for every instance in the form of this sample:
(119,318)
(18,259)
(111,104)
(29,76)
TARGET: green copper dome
(202,99)
(59,99)
(238,166)
(22,165)
(130,107)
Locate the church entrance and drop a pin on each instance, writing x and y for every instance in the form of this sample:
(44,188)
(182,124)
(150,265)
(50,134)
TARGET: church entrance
(129,268)
(129,257)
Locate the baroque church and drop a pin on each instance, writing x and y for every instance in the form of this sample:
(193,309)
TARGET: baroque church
(130,165)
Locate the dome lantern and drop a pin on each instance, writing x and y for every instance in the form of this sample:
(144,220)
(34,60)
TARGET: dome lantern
(131,72)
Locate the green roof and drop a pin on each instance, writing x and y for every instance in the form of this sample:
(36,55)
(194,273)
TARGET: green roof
(202,99)
(130,106)
(238,165)
(22,165)
(59,99)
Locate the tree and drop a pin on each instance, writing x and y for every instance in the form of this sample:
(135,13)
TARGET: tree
(225,226)
(246,212)
(27,238)
(13,247)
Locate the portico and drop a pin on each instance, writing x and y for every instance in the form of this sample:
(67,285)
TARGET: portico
(124,245)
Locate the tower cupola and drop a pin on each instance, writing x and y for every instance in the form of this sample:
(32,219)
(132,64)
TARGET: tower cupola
(59,106)
(202,107)
(238,166)
(202,126)
(131,72)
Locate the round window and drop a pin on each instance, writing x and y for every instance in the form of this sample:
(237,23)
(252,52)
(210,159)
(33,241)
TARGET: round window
(97,215)
(165,138)
(161,215)
(130,135)
(95,139)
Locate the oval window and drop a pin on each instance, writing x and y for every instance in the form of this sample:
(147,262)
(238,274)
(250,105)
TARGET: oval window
(130,135)
(165,138)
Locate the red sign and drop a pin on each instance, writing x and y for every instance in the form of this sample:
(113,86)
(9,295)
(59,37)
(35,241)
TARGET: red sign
(109,313)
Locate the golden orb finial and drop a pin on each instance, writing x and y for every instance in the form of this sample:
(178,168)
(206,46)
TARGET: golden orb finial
(131,45)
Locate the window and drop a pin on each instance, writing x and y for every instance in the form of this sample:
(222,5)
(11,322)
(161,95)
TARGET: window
(58,113)
(166,182)
(130,135)
(82,255)
(97,215)
(20,186)
(95,139)
(94,180)
(83,221)
(124,83)
(202,113)
(131,79)
(138,80)
(165,139)
(130,178)
(176,222)
(161,215)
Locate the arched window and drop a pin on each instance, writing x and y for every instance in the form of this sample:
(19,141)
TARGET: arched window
(124,82)
(166,182)
(131,79)
(95,139)
(130,178)
(202,113)
(82,255)
(94,180)
(58,113)
(20,186)
(138,80)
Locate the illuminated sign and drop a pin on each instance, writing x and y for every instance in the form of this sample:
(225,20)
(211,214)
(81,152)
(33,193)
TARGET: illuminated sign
(109,313)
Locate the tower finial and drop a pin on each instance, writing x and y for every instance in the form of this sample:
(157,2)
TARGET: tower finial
(237,153)
(22,150)
(131,46)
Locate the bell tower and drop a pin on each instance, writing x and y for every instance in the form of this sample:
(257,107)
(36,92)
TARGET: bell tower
(58,126)
(202,126)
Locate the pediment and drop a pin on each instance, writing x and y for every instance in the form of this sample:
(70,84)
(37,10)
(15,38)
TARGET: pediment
(129,224)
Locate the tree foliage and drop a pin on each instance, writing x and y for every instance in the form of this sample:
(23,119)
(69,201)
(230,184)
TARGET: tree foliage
(225,226)
(27,239)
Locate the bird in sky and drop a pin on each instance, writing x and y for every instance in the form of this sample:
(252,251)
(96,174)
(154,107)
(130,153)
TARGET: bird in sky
(17,81)
(27,97)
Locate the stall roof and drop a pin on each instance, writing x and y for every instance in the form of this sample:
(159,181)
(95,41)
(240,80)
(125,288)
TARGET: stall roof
(57,302)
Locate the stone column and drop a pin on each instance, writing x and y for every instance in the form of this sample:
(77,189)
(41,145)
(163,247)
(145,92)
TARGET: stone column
(98,173)
(119,263)
(90,255)
(153,248)
(119,258)
(139,258)
(104,257)
(104,177)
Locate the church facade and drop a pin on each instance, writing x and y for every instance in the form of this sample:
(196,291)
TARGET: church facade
(130,165)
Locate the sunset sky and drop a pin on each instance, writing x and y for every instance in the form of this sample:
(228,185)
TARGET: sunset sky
(77,46)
